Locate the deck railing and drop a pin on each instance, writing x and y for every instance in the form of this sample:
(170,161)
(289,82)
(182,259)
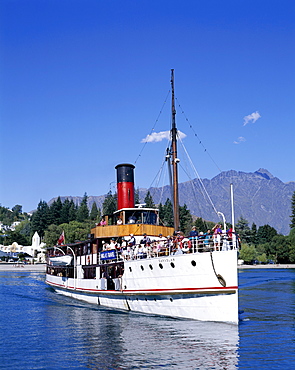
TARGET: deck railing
(170,247)
(219,242)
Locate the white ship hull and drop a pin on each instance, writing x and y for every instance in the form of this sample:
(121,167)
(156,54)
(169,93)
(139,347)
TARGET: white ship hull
(200,286)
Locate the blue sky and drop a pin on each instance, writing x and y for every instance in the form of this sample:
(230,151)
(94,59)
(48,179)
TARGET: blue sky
(82,83)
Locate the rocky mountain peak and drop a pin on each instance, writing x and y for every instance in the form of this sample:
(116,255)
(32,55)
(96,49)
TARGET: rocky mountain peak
(264,173)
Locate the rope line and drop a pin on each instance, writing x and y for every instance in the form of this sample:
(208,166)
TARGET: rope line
(153,128)
(202,188)
(196,135)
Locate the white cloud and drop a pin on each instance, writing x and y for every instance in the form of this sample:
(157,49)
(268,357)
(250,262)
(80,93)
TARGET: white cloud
(239,140)
(251,118)
(159,136)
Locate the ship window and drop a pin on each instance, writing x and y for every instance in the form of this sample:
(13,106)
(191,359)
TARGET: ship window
(172,264)
(142,267)
(149,218)
(151,267)
(130,269)
(171,299)
(160,265)
(193,263)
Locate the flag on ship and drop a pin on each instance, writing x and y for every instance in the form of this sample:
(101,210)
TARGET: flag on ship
(61,239)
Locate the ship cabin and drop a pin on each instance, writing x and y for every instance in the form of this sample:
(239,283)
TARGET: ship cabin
(135,220)
(102,255)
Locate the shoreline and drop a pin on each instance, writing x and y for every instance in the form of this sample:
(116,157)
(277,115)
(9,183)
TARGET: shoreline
(41,267)
(273,266)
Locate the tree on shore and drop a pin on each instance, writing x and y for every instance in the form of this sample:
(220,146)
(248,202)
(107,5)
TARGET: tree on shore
(94,212)
(201,225)
(73,231)
(83,212)
(292,224)
(185,219)
(291,240)
(40,219)
(247,253)
(148,200)
(243,229)
(109,205)
(166,213)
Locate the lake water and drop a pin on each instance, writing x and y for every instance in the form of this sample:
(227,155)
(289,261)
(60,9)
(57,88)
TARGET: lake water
(43,330)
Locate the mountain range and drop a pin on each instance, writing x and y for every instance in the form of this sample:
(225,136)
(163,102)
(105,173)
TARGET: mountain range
(259,197)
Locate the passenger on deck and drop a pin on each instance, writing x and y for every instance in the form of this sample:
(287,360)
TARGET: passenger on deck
(102,222)
(193,232)
(112,244)
(201,239)
(169,243)
(119,221)
(104,245)
(162,244)
(132,239)
(217,236)
(178,250)
(193,239)
(131,220)
(177,243)
(227,241)
(140,251)
(127,251)
(146,239)
(207,239)
(162,240)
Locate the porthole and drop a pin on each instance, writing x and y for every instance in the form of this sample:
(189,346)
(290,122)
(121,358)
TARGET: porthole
(151,267)
(160,265)
(130,269)
(172,265)
(142,267)
(193,263)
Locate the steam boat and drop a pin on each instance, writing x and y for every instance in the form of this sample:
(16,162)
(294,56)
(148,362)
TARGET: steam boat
(133,263)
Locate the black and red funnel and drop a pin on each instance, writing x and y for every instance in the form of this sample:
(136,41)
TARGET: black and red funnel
(125,185)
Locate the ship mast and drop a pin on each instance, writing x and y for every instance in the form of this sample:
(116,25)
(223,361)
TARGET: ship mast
(175,160)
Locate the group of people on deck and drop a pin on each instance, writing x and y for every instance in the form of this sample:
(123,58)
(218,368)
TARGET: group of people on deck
(130,248)
(216,236)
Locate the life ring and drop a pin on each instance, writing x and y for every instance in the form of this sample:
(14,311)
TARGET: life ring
(185,246)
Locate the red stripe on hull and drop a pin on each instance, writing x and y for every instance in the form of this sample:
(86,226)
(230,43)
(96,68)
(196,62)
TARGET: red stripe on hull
(147,291)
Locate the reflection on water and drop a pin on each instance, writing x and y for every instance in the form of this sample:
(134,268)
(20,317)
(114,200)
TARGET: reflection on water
(43,330)
(115,340)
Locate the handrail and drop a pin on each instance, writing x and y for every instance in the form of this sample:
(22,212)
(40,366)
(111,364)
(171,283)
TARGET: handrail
(200,244)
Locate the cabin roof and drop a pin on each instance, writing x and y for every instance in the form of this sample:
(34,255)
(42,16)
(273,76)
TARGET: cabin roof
(137,209)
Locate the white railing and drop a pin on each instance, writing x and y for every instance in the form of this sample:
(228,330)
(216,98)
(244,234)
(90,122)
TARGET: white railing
(200,244)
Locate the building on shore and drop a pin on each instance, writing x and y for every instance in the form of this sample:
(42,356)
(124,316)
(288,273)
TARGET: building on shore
(36,250)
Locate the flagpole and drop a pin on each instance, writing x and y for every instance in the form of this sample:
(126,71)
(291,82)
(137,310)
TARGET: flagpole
(74,266)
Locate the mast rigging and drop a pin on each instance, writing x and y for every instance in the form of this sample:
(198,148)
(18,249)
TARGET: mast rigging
(175,160)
